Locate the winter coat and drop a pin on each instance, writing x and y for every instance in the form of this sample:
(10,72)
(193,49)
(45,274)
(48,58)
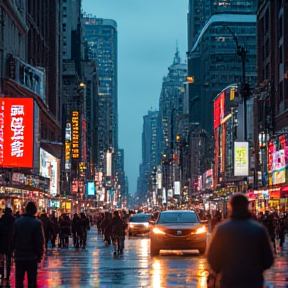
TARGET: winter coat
(240,250)
(76,225)
(118,227)
(27,238)
(6,223)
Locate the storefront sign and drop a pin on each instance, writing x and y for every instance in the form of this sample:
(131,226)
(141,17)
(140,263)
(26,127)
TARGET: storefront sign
(275,194)
(241,158)
(16,132)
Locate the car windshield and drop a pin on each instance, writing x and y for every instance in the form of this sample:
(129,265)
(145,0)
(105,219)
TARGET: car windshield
(140,218)
(181,217)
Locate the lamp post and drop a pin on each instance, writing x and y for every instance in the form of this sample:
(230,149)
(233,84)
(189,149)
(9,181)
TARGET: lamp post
(245,87)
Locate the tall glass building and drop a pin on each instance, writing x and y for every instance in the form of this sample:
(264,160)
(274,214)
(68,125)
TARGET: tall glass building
(212,52)
(101,35)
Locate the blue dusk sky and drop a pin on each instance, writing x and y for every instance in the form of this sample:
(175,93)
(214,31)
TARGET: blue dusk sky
(147,34)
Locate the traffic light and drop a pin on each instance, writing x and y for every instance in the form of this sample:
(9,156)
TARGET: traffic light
(177,138)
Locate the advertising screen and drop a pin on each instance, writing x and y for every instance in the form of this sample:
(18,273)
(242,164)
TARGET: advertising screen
(16,132)
(49,168)
(219,110)
(277,160)
(241,159)
(90,189)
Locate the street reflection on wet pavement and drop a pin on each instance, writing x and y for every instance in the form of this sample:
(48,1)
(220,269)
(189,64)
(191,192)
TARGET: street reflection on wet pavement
(95,267)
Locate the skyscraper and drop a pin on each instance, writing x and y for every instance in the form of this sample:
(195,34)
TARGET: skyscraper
(212,55)
(101,36)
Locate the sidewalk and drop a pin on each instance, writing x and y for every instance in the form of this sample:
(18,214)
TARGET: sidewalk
(277,275)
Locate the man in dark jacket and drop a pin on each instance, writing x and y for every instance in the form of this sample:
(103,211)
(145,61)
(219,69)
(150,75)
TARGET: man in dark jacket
(76,230)
(6,223)
(84,227)
(118,232)
(27,243)
(240,249)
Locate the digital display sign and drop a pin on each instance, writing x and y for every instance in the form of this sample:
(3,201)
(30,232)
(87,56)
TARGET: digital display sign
(219,110)
(277,160)
(49,168)
(16,132)
(241,159)
(90,189)
(75,135)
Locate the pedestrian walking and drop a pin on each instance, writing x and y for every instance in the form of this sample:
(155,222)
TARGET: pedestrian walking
(76,230)
(27,245)
(47,227)
(84,227)
(240,249)
(118,231)
(6,223)
(55,228)
(106,228)
(65,230)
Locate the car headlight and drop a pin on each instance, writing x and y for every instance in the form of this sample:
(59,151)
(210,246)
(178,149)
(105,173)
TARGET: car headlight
(131,225)
(146,224)
(201,230)
(158,231)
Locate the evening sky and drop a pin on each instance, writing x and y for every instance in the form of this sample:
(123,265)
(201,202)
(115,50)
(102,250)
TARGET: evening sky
(147,35)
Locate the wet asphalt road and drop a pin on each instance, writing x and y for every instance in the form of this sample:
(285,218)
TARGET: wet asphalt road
(95,267)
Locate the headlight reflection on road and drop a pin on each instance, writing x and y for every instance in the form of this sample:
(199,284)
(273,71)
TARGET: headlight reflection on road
(202,275)
(144,248)
(156,280)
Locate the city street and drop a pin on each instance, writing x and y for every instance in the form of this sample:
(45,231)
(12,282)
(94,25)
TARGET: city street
(95,267)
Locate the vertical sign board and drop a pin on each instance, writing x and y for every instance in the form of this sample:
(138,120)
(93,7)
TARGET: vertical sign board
(68,146)
(75,135)
(90,189)
(241,159)
(108,164)
(177,188)
(16,132)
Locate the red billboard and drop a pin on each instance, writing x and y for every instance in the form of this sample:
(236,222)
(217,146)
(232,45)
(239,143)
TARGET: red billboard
(219,110)
(16,132)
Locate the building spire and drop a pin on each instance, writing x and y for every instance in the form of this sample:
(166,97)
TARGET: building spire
(177,59)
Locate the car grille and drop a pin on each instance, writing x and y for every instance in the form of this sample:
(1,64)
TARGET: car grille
(179,232)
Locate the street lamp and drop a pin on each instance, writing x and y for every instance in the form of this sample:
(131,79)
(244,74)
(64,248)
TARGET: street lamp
(245,87)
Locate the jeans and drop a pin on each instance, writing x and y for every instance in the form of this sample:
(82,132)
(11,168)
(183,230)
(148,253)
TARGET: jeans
(29,266)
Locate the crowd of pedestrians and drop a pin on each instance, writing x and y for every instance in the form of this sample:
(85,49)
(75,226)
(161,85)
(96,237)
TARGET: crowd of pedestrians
(24,238)
(113,228)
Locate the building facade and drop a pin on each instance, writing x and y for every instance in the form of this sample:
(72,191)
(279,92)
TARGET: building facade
(30,67)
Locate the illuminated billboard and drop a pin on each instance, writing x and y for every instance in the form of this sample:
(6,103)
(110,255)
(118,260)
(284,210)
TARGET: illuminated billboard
(75,135)
(241,159)
(219,110)
(49,168)
(277,160)
(68,146)
(16,132)
(90,189)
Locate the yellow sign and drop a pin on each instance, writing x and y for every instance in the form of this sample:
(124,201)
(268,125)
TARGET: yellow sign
(75,134)
(232,94)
